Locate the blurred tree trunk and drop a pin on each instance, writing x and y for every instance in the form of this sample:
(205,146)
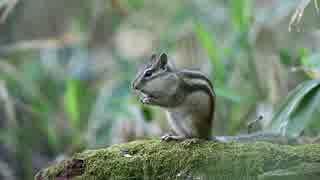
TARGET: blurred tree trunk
(39,19)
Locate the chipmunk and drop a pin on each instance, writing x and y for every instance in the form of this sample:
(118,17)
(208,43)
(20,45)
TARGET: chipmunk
(187,96)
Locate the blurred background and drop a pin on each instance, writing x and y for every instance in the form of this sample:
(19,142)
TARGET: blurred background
(66,68)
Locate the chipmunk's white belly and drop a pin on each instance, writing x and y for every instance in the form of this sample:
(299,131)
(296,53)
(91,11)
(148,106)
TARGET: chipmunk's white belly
(185,118)
(181,125)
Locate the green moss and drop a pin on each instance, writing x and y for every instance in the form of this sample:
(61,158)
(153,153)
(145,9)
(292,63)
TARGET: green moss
(153,159)
(308,171)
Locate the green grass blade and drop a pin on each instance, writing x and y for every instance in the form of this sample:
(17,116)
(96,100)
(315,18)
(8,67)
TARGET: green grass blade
(71,102)
(298,110)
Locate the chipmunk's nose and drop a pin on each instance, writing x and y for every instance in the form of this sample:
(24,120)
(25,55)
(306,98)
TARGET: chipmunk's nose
(134,85)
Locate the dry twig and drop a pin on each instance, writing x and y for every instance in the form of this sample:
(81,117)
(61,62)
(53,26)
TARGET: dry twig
(8,7)
(297,15)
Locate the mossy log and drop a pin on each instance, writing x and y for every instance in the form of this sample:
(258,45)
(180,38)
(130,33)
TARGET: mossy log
(153,159)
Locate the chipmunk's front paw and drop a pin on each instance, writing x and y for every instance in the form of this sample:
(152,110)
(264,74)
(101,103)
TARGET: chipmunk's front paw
(170,137)
(166,137)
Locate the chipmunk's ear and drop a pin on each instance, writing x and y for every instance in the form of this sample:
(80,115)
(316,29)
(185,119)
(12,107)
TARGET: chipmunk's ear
(153,57)
(163,59)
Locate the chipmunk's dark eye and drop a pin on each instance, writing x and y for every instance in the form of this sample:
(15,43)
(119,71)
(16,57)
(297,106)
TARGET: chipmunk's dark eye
(147,73)
(163,67)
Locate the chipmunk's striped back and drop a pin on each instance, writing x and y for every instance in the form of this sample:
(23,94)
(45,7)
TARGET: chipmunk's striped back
(196,81)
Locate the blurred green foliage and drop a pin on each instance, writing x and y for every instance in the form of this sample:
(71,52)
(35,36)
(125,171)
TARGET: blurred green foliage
(67,73)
